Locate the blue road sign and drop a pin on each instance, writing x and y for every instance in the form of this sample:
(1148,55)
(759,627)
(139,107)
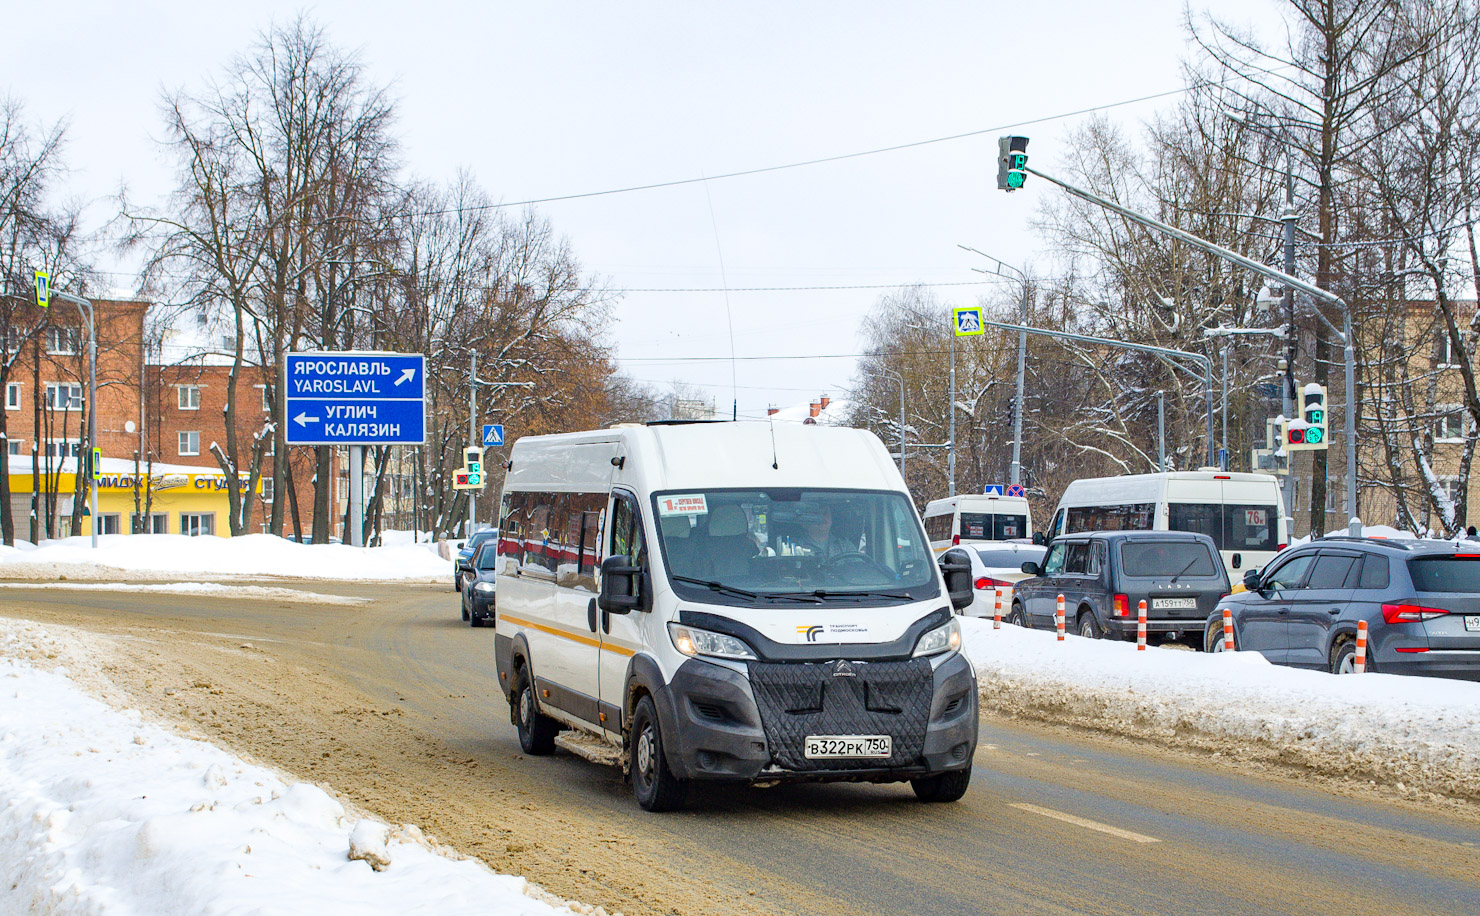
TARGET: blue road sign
(493,435)
(992,489)
(351,398)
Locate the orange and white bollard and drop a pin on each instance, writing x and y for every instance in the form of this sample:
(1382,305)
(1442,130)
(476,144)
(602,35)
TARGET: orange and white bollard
(997,611)
(1359,662)
(1228,629)
(1141,626)
(1058,618)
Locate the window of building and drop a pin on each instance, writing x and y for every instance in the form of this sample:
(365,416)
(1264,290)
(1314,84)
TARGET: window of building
(63,395)
(1451,487)
(1445,349)
(13,446)
(12,395)
(266,408)
(12,339)
(197,524)
(63,448)
(61,340)
(1450,426)
(109,523)
(189,443)
(189,397)
(157,523)
(267,490)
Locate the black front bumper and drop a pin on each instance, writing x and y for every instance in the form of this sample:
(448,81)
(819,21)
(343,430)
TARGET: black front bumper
(719,724)
(481,605)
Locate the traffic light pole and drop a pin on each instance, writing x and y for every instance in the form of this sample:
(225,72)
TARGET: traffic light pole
(1349,424)
(473,439)
(1015,470)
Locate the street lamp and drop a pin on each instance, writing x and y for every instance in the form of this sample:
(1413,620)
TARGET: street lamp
(1015,470)
(92,400)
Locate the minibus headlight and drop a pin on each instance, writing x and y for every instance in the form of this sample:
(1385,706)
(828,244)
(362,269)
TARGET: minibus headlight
(944,638)
(692,642)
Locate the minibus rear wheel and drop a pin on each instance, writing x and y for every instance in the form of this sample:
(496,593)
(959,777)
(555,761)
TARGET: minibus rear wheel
(655,786)
(536,731)
(943,787)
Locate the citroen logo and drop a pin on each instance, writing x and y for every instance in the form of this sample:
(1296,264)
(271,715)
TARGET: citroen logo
(843,669)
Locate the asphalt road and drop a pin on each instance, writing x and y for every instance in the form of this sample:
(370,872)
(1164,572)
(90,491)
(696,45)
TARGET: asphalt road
(1055,821)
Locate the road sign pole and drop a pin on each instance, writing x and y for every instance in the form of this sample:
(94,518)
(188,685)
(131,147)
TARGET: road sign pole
(357,495)
(951,453)
(472,432)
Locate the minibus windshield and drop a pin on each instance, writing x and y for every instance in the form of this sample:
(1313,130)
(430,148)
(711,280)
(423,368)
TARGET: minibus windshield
(783,546)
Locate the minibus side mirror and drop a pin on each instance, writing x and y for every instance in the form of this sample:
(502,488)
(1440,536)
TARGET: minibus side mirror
(1039,539)
(620,586)
(1032,569)
(958,581)
(1251,580)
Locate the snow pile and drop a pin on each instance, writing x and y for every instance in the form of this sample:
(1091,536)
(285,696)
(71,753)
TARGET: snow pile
(100,813)
(1414,733)
(142,556)
(199,589)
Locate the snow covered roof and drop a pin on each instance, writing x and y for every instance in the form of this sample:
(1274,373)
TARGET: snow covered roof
(833,413)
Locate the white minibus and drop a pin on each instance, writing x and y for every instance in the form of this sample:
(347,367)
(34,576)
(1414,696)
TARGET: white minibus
(977,518)
(1242,513)
(730,601)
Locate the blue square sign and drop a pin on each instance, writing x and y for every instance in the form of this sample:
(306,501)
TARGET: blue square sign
(493,435)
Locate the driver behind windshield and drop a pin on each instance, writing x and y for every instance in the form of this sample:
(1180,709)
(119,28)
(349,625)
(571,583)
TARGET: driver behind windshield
(815,534)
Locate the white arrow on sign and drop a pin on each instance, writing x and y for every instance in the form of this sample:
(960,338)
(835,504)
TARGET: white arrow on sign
(406,375)
(303,419)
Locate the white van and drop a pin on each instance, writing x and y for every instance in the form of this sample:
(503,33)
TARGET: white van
(730,601)
(1242,513)
(977,517)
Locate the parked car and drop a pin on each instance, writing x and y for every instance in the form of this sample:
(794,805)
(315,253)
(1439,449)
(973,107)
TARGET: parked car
(1104,576)
(462,563)
(478,584)
(994,566)
(1420,598)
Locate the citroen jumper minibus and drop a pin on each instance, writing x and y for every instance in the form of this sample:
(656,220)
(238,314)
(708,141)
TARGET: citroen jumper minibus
(977,518)
(1242,513)
(730,601)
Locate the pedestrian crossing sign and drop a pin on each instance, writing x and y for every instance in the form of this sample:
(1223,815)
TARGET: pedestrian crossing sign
(967,320)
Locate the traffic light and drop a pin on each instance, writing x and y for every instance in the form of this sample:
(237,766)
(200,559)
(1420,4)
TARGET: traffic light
(472,467)
(1313,411)
(1012,160)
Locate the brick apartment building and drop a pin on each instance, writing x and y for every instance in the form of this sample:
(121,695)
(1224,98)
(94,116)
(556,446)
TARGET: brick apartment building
(168,407)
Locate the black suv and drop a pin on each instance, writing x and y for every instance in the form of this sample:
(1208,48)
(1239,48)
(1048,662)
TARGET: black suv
(1104,575)
(1420,598)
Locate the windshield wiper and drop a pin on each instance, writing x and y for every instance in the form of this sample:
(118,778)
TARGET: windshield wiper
(1184,569)
(717,586)
(824,594)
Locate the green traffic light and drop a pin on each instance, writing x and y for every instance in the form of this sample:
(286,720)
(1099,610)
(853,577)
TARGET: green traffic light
(1313,436)
(1015,179)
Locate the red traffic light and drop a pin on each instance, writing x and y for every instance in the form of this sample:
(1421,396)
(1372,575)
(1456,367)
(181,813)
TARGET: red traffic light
(1295,436)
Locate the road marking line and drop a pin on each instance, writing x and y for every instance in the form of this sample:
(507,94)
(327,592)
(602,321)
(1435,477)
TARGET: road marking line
(1088,824)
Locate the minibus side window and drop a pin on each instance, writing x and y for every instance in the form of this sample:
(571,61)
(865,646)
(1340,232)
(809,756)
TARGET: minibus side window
(627,539)
(512,529)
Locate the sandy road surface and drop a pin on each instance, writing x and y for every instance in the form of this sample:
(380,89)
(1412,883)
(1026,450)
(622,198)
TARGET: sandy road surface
(393,706)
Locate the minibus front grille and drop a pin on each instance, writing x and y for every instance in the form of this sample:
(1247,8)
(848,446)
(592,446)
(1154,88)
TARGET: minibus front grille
(863,698)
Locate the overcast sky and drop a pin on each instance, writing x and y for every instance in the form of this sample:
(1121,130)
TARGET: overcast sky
(541,99)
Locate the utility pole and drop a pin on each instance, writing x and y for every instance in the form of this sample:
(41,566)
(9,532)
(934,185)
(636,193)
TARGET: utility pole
(473,439)
(899,378)
(1015,469)
(1161,431)
(1223,408)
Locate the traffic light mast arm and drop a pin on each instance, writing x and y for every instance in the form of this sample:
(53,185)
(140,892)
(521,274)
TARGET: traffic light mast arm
(1349,424)
(1204,361)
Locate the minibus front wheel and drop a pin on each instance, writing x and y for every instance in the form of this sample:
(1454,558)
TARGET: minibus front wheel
(943,787)
(536,731)
(655,786)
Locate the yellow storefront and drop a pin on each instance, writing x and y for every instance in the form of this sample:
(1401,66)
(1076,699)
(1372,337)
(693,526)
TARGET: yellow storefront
(174,499)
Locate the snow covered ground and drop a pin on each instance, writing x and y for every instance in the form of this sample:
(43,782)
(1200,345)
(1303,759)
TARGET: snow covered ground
(1412,733)
(101,812)
(199,589)
(155,556)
